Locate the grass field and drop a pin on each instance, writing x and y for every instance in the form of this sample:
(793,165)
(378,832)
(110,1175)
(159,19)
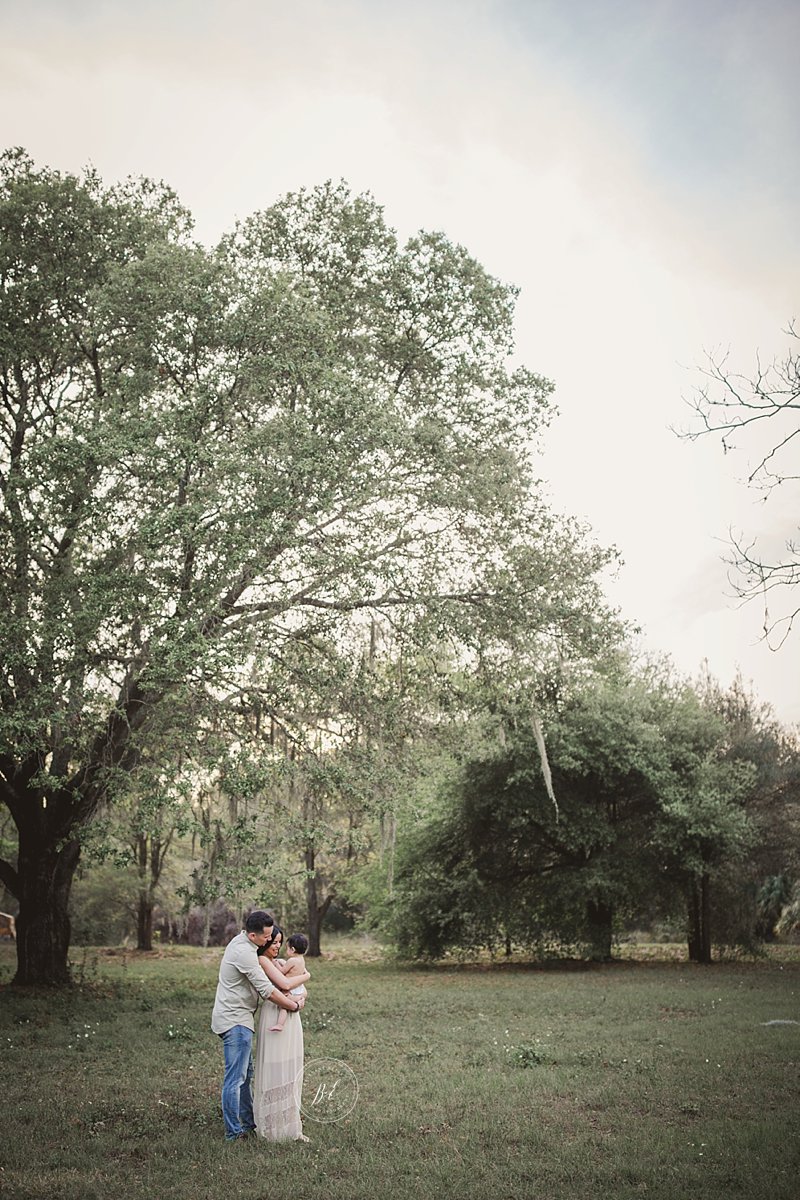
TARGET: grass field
(644,1078)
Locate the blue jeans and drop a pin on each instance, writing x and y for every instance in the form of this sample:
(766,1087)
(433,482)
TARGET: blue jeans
(237,1099)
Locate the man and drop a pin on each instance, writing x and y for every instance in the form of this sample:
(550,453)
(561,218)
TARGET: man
(241,981)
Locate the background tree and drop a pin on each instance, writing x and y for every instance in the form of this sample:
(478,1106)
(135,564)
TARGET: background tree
(545,875)
(750,897)
(152,807)
(662,802)
(705,828)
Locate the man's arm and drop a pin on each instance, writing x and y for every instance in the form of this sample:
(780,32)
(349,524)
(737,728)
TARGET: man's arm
(244,963)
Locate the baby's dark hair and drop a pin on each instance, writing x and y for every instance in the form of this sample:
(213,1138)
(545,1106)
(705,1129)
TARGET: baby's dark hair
(298,942)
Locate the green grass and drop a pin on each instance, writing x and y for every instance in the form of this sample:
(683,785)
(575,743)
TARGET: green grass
(649,1078)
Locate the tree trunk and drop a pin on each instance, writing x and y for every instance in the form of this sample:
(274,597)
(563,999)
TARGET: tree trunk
(150,854)
(600,917)
(693,934)
(316,911)
(705,917)
(392,844)
(699,919)
(144,922)
(144,910)
(43,928)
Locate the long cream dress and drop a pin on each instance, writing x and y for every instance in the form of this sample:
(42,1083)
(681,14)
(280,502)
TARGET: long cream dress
(278,1085)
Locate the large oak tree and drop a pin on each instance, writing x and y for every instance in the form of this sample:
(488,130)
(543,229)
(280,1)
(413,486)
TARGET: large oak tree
(207,454)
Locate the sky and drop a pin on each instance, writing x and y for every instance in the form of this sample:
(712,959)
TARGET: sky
(631,165)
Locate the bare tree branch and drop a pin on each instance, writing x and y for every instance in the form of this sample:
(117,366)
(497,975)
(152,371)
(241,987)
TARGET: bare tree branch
(728,405)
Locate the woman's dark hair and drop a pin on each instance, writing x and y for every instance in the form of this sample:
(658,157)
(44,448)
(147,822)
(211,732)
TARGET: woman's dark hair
(276,933)
(298,942)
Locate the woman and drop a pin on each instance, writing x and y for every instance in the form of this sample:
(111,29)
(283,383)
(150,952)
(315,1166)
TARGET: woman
(279,1063)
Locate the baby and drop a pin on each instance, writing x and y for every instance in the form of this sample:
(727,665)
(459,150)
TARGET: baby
(295,964)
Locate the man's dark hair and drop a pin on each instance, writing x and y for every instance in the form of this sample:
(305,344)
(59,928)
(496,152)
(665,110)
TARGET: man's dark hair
(298,942)
(257,920)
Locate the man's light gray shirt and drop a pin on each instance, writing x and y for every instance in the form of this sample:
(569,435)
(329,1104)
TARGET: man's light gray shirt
(241,982)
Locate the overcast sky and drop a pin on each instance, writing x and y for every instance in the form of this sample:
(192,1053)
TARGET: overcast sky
(632,165)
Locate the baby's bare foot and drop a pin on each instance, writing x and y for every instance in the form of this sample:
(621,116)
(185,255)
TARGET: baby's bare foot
(276,1029)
